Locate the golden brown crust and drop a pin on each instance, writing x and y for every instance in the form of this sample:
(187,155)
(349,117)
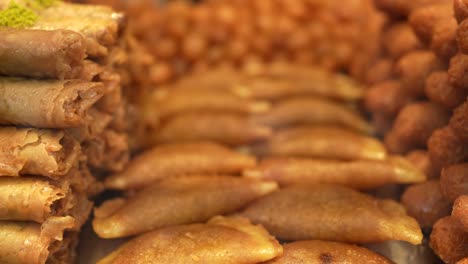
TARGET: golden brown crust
(221,240)
(400,39)
(460,211)
(24,242)
(176,201)
(322,252)
(448,240)
(177,160)
(425,202)
(454,181)
(330,212)
(312,111)
(424,19)
(41,54)
(37,152)
(359,174)
(224,128)
(446,148)
(439,90)
(322,142)
(51,104)
(414,125)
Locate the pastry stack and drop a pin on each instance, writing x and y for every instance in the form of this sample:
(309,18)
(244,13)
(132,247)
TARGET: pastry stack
(61,115)
(286,149)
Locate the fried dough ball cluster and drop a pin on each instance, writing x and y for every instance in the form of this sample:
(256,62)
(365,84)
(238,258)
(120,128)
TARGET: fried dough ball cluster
(185,37)
(424,102)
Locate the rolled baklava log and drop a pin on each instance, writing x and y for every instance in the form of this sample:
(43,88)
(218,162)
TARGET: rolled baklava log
(33,243)
(41,53)
(50,103)
(99,29)
(33,151)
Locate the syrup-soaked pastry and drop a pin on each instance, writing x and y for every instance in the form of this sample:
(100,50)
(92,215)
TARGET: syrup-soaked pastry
(460,211)
(26,242)
(444,42)
(439,90)
(322,142)
(319,252)
(423,20)
(425,202)
(332,212)
(413,69)
(400,39)
(449,240)
(359,174)
(47,103)
(446,148)
(37,152)
(414,125)
(179,159)
(312,111)
(387,97)
(61,55)
(454,181)
(28,199)
(226,128)
(176,201)
(170,102)
(322,83)
(221,240)
(421,160)
(98,24)
(459,121)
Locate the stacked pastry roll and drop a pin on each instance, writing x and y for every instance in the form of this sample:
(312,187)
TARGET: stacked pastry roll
(207,134)
(59,100)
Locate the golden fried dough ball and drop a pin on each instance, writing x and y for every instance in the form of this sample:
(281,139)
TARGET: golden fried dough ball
(424,19)
(414,125)
(459,121)
(460,9)
(425,202)
(448,240)
(359,174)
(379,71)
(457,71)
(322,142)
(439,90)
(413,69)
(176,201)
(387,97)
(332,212)
(220,241)
(178,159)
(443,42)
(400,39)
(421,160)
(462,36)
(460,211)
(454,181)
(446,148)
(319,252)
